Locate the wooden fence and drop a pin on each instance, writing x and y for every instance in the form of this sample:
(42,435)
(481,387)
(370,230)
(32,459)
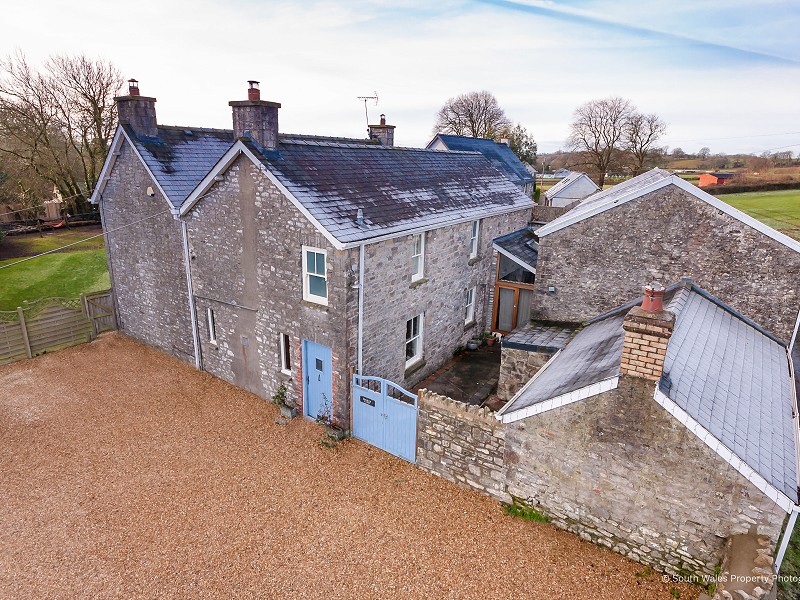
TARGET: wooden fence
(53,323)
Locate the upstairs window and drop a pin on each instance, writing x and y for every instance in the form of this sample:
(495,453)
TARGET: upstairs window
(315,277)
(473,240)
(469,307)
(418,257)
(413,340)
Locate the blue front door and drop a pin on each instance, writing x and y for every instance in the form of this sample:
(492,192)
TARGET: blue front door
(318,393)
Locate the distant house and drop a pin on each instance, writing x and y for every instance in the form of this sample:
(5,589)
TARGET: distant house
(707,179)
(499,154)
(572,189)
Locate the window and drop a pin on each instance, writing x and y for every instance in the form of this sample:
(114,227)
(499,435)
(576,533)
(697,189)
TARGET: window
(513,272)
(418,257)
(469,310)
(315,278)
(286,354)
(473,240)
(413,340)
(212,326)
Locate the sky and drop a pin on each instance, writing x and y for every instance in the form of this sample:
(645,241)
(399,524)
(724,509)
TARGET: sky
(721,74)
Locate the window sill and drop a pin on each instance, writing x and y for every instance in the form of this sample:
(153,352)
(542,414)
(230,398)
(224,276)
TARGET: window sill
(470,325)
(474,260)
(316,305)
(417,282)
(285,372)
(414,367)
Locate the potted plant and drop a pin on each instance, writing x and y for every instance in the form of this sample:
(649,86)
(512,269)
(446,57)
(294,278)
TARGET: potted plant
(490,339)
(324,418)
(473,344)
(287,408)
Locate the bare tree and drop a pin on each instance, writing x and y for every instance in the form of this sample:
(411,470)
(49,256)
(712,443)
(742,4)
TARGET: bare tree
(704,152)
(642,133)
(475,114)
(58,121)
(597,133)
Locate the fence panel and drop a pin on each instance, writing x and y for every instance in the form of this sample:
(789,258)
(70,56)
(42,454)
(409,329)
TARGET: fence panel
(53,323)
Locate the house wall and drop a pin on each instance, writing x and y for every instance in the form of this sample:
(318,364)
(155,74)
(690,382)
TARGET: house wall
(246,239)
(146,259)
(390,297)
(617,469)
(603,261)
(461,443)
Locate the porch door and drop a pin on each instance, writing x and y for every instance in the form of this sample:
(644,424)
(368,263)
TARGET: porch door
(513,308)
(318,392)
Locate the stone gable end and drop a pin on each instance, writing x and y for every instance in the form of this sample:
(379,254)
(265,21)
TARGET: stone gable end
(604,260)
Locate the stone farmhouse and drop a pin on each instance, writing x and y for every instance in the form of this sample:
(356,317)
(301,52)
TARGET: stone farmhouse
(269,259)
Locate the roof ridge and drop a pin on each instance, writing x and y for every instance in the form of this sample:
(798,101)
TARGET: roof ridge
(368,146)
(192,128)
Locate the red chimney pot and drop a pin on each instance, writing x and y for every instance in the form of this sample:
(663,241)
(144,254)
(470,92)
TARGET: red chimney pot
(653,298)
(253,92)
(383,119)
(133,87)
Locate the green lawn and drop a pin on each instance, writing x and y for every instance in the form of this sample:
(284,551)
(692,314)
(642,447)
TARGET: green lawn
(62,274)
(779,209)
(28,245)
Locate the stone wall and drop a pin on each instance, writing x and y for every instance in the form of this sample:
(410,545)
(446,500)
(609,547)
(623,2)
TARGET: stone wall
(619,470)
(516,369)
(391,298)
(146,259)
(603,261)
(462,443)
(246,240)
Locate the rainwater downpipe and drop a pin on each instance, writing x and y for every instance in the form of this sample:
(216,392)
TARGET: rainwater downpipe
(787,534)
(198,359)
(360,309)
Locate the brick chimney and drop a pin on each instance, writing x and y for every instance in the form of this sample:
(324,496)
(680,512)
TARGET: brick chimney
(257,116)
(383,133)
(647,331)
(137,111)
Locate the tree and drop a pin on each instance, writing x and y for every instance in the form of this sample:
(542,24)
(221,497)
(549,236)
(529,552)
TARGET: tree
(642,132)
(598,133)
(522,144)
(704,152)
(678,153)
(57,122)
(475,114)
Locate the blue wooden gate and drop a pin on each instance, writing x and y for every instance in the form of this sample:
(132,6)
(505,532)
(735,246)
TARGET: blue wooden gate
(385,415)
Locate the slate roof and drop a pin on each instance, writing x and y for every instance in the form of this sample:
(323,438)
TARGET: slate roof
(536,336)
(724,175)
(566,182)
(398,189)
(500,155)
(180,157)
(727,373)
(521,244)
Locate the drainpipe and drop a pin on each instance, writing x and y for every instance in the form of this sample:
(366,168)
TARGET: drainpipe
(198,360)
(360,308)
(787,533)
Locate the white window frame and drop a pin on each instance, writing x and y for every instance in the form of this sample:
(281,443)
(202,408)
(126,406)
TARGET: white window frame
(212,326)
(421,273)
(286,353)
(474,234)
(418,338)
(307,295)
(469,306)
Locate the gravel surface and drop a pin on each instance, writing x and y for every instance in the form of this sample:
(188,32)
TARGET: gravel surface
(126,474)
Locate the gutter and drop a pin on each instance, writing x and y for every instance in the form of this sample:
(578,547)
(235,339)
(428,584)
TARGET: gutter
(198,359)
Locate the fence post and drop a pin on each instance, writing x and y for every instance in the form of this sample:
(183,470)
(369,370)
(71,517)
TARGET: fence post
(87,314)
(24,330)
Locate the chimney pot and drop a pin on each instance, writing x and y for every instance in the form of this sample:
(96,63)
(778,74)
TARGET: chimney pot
(133,87)
(653,301)
(253,91)
(383,119)
(383,133)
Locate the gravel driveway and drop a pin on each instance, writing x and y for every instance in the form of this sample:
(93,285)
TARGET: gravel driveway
(126,474)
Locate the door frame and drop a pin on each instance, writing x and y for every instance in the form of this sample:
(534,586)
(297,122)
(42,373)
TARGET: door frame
(306,376)
(516,287)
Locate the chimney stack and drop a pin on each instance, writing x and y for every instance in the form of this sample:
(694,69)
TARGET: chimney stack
(137,111)
(383,133)
(647,331)
(257,116)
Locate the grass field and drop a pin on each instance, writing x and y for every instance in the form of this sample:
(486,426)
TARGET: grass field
(66,274)
(779,209)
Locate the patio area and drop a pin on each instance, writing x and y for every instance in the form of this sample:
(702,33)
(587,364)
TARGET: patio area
(470,377)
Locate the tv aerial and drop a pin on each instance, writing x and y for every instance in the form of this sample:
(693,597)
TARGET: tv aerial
(366,99)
